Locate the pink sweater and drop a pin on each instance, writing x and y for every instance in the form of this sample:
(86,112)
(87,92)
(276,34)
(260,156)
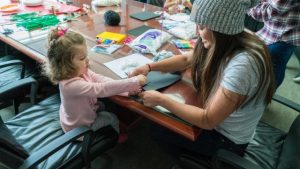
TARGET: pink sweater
(79,97)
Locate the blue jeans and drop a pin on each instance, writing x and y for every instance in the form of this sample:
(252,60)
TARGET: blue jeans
(281,53)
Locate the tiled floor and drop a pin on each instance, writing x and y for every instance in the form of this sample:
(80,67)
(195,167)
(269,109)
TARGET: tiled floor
(141,152)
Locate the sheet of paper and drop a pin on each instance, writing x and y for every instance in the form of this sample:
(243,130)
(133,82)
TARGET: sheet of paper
(126,64)
(180,17)
(175,97)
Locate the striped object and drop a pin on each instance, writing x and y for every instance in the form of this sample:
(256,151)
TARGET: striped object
(224,16)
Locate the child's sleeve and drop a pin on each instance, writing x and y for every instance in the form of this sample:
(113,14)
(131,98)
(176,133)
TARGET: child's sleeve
(81,87)
(98,78)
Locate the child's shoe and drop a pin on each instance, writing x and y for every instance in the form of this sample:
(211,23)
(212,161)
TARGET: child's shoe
(123,137)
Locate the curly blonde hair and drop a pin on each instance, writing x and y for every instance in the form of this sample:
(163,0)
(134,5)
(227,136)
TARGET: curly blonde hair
(62,49)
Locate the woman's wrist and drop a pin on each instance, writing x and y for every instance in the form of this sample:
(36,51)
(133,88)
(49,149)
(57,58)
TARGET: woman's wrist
(149,67)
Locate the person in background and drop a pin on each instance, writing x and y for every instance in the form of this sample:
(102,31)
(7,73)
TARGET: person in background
(172,5)
(175,6)
(297,54)
(68,65)
(281,31)
(232,73)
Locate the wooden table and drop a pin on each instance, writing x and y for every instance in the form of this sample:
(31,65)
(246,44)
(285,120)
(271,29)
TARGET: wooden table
(34,45)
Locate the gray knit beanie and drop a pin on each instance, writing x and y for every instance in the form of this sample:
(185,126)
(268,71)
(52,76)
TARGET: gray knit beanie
(224,16)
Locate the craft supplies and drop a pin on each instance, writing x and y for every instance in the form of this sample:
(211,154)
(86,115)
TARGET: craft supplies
(112,18)
(150,41)
(106,48)
(110,37)
(104,41)
(32,20)
(162,55)
(184,44)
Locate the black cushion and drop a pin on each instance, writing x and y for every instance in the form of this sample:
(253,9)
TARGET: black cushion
(264,150)
(290,155)
(12,153)
(38,126)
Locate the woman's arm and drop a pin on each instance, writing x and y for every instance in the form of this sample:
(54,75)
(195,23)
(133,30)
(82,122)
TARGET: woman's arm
(221,105)
(172,64)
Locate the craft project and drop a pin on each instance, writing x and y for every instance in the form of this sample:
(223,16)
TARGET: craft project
(124,65)
(9,8)
(106,48)
(150,41)
(166,112)
(185,30)
(116,37)
(32,20)
(175,97)
(157,80)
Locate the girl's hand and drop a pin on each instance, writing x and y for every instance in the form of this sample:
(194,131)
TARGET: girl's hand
(142,70)
(151,98)
(142,80)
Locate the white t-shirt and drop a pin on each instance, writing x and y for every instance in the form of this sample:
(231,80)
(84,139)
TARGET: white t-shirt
(241,76)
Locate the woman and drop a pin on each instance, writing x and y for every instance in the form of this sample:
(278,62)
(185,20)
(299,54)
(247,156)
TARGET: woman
(232,73)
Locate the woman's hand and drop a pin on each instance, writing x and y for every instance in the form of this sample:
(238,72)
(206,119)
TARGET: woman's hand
(142,79)
(152,98)
(142,70)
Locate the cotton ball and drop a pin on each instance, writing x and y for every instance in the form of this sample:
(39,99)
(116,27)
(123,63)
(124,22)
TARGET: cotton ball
(112,18)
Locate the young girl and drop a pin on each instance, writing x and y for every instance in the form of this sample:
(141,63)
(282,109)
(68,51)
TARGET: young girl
(231,71)
(80,87)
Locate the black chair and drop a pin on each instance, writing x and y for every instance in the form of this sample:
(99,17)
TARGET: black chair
(34,139)
(15,83)
(271,148)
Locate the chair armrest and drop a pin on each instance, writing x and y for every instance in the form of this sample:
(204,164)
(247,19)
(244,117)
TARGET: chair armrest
(14,62)
(233,160)
(286,102)
(6,90)
(34,159)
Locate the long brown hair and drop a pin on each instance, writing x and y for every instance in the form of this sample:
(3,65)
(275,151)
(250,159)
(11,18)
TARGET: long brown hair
(62,49)
(209,64)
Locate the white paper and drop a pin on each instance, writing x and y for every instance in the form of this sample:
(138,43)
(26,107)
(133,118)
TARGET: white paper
(175,97)
(180,17)
(126,64)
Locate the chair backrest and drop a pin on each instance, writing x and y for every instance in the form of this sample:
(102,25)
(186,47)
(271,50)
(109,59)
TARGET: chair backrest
(12,153)
(290,153)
